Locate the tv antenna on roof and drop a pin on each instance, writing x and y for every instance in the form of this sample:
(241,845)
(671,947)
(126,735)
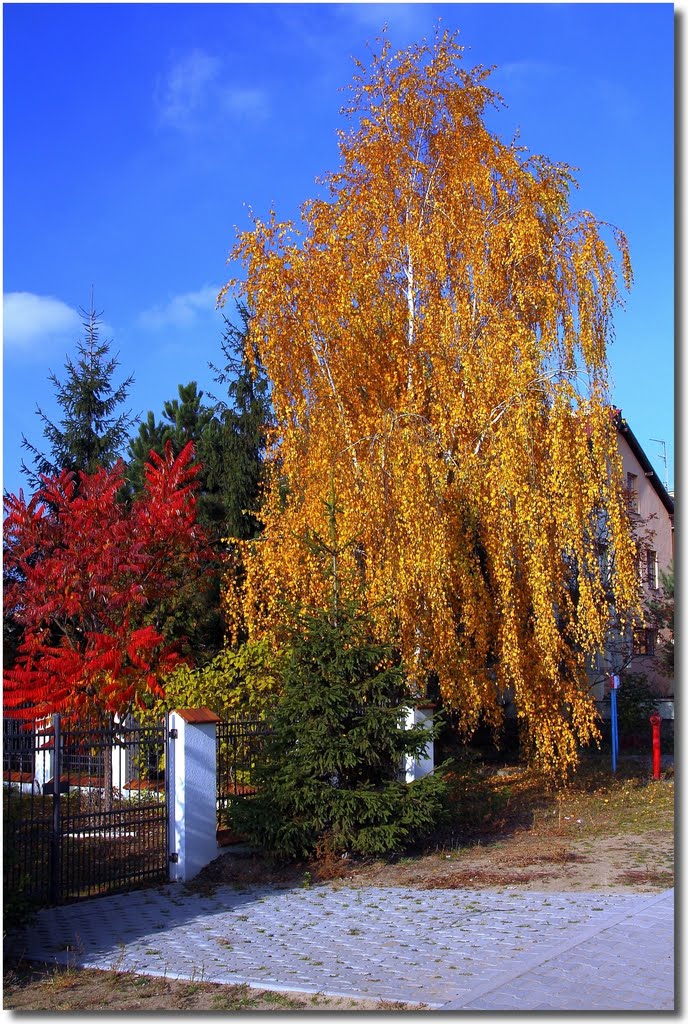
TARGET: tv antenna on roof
(663,457)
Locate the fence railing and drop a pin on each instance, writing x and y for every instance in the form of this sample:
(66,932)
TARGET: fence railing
(93,809)
(240,743)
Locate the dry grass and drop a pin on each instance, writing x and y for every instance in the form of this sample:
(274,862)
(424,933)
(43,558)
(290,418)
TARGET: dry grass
(654,877)
(508,828)
(66,989)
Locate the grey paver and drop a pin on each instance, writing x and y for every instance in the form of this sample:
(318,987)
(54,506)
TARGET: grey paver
(450,949)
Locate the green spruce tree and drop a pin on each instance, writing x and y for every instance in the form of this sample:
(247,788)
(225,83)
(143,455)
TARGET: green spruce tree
(229,440)
(184,419)
(92,431)
(151,437)
(234,446)
(331,781)
(229,437)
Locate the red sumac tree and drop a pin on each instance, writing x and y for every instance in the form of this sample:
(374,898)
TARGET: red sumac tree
(89,577)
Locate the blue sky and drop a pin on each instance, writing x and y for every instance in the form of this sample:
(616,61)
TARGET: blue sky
(136,136)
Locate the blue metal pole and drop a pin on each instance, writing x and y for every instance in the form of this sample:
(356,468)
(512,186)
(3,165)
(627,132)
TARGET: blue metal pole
(614,730)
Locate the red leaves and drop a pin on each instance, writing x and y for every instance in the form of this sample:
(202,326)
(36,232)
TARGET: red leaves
(86,572)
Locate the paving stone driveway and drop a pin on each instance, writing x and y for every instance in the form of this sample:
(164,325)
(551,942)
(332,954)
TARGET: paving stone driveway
(450,949)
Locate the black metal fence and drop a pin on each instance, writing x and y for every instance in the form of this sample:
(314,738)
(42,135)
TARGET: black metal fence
(85,808)
(239,748)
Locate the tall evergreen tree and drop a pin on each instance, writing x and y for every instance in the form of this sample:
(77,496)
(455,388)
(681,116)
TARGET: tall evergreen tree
(187,416)
(151,437)
(229,442)
(92,431)
(184,419)
(234,447)
(229,437)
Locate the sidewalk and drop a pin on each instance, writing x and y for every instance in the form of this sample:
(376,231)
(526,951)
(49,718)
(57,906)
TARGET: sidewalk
(449,949)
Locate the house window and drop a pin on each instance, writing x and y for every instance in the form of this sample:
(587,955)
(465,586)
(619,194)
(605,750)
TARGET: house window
(643,642)
(637,566)
(632,491)
(652,569)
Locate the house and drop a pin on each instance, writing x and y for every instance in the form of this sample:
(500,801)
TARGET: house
(651,508)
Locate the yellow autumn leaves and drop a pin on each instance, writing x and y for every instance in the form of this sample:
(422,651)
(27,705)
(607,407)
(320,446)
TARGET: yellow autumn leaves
(435,337)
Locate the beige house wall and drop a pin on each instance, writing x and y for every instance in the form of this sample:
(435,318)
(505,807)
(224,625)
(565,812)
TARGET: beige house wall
(654,528)
(655,525)
(652,514)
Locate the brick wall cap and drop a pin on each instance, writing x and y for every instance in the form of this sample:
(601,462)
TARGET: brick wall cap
(197,716)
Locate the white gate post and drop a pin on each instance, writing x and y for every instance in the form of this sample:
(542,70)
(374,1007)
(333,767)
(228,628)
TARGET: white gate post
(121,756)
(416,768)
(193,798)
(43,752)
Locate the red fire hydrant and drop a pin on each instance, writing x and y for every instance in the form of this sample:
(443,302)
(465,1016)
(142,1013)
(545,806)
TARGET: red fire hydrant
(655,722)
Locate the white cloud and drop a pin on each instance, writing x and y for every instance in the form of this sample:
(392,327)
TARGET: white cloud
(186,89)
(182,310)
(414,18)
(195,93)
(527,72)
(29,320)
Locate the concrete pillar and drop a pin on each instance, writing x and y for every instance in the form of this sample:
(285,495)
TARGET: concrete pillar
(193,796)
(44,752)
(120,757)
(416,768)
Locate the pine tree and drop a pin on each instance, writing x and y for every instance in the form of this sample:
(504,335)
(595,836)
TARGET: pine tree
(152,436)
(229,437)
(233,448)
(91,432)
(330,782)
(229,442)
(184,419)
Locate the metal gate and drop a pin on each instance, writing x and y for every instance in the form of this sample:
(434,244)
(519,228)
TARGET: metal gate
(85,808)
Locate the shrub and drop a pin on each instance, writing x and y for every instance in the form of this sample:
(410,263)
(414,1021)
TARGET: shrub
(18,909)
(240,680)
(635,702)
(331,779)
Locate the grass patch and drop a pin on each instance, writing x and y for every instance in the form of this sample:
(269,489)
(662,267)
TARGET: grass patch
(517,827)
(490,805)
(33,988)
(648,876)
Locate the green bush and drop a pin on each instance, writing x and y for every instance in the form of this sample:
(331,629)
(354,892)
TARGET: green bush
(635,702)
(240,680)
(330,781)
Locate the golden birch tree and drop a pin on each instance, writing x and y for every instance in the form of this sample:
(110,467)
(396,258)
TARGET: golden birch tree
(435,334)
